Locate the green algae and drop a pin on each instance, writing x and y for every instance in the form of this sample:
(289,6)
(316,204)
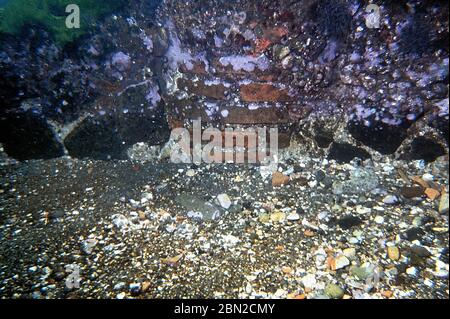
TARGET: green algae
(51,14)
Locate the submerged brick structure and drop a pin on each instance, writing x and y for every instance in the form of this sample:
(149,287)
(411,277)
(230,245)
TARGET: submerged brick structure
(308,65)
(312,68)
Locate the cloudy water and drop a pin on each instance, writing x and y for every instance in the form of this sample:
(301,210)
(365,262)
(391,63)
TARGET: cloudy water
(224,149)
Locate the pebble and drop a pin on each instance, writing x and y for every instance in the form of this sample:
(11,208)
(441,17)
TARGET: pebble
(278,217)
(309,281)
(363,272)
(278,179)
(334,291)
(224,200)
(119,286)
(190,173)
(390,200)
(379,220)
(443,204)
(412,271)
(339,262)
(88,245)
(432,193)
(293,217)
(135,288)
(350,253)
(420,251)
(393,253)
(411,191)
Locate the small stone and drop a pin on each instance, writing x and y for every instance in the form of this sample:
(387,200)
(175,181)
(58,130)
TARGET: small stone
(287,270)
(420,251)
(387,294)
(278,179)
(88,245)
(432,193)
(349,221)
(443,204)
(135,288)
(293,217)
(362,273)
(393,253)
(190,173)
(379,220)
(411,191)
(264,218)
(145,286)
(119,286)
(224,200)
(390,200)
(334,291)
(308,233)
(412,271)
(309,281)
(278,217)
(339,262)
(350,253)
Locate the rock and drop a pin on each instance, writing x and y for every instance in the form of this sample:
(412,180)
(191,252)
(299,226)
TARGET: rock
(278,217)
(345,153)
(120,221)
(420,251)
(146,286)
(363,272)
(362,181)
(264,218)
(443,204)
(414,233)
(350,253)
(339,262)
(278,179)
(89,244)
(197,208)
(119,286)
(393,253)
(390,200)
(411,191)
(412,271)
(334,291)
(143,153)
(379,136)
(320,176)
(28,136)
(349,221)
(293,217)
(379,220)
(224,201)
(309,281)
(432,193)
(280,52)
(190,173)
(135,289)
(110,136)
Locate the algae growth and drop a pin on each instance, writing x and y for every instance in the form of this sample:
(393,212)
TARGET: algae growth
(51,14)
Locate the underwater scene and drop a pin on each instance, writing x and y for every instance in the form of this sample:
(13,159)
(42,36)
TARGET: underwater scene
(224,149)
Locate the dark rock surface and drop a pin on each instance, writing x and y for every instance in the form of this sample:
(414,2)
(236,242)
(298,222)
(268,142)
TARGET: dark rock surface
(28,136)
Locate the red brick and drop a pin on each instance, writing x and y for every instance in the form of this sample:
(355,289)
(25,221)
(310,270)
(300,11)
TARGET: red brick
(256,92)
(199,88)
(271,115)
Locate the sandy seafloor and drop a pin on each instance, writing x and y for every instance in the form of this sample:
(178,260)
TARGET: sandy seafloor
(131,231)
